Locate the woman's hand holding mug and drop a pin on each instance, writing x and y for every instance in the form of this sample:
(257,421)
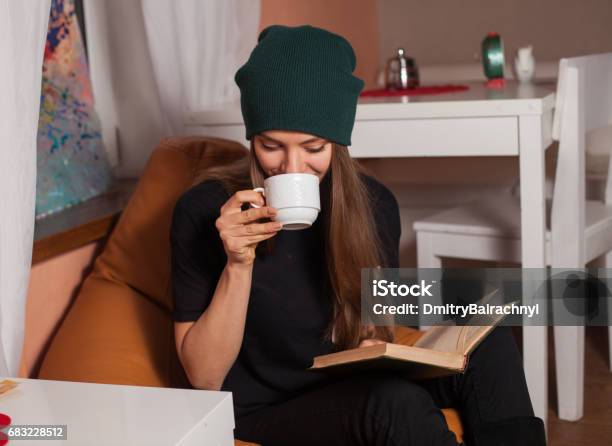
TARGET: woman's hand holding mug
(295,196)
(240,230)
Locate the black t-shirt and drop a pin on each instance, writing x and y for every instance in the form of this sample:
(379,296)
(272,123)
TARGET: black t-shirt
(289,306)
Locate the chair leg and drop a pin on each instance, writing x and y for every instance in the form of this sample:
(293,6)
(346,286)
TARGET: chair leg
(569,362)
(610,339)
(608,264)
(610,336)
(426,258)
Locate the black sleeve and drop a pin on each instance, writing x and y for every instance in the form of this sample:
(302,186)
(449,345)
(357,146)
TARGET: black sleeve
(387,220)
(197,255)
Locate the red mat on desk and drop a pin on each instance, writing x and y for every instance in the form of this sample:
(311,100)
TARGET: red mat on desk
(431,89)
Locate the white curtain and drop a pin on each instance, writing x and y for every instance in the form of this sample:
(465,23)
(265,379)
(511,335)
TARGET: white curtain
(23,31)
(151,59)
(196,46)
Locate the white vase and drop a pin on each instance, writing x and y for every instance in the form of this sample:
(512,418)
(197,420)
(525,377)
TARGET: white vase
(524,64)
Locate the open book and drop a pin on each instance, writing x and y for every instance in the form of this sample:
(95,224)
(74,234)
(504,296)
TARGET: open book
(442,350)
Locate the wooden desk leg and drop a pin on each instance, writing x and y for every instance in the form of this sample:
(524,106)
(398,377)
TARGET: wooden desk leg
(533,252)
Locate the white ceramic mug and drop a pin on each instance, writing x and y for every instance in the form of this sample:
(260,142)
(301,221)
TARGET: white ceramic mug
(296,198)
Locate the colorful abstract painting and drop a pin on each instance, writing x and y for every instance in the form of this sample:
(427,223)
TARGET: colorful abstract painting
(71,161)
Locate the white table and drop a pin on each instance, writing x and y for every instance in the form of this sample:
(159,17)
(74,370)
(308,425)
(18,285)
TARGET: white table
(105,414)
(515,120)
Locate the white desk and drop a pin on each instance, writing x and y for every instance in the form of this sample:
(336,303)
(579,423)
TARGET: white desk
(515,120)
(104,414)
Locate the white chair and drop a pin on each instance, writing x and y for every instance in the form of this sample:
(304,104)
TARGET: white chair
(489,229)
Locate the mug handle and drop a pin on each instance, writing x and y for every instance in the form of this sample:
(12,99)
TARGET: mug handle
(263,192)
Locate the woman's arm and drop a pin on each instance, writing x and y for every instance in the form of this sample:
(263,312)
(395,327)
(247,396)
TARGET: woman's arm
(208,347)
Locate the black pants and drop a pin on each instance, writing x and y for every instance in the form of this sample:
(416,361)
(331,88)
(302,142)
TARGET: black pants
(382,408)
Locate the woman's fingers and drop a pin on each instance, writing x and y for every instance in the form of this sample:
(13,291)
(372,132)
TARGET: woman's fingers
(237,220)
(240,230)
(258,238)
(252,229)
(253,214)
(234,204)
(248,217)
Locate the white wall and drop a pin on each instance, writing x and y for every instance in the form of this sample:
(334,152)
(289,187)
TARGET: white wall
(442,32)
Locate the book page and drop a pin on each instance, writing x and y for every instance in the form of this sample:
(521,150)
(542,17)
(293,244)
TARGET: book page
(442,338)
(460,339)
(473,334)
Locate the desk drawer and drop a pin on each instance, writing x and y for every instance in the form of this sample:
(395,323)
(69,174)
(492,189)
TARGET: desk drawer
(487,136)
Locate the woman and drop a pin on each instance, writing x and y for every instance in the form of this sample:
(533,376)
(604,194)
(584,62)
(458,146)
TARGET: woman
(253,304)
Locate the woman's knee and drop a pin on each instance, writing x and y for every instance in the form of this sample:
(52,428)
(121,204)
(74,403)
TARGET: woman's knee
(394,395)
(499,344)
(407,410)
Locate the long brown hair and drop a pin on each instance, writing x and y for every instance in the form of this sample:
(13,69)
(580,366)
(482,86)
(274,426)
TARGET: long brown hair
(351,239)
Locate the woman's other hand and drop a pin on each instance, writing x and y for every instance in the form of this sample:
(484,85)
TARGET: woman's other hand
(368,342)
(241,230)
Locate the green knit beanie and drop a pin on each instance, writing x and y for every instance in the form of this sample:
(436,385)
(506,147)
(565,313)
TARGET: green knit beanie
(300,78)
